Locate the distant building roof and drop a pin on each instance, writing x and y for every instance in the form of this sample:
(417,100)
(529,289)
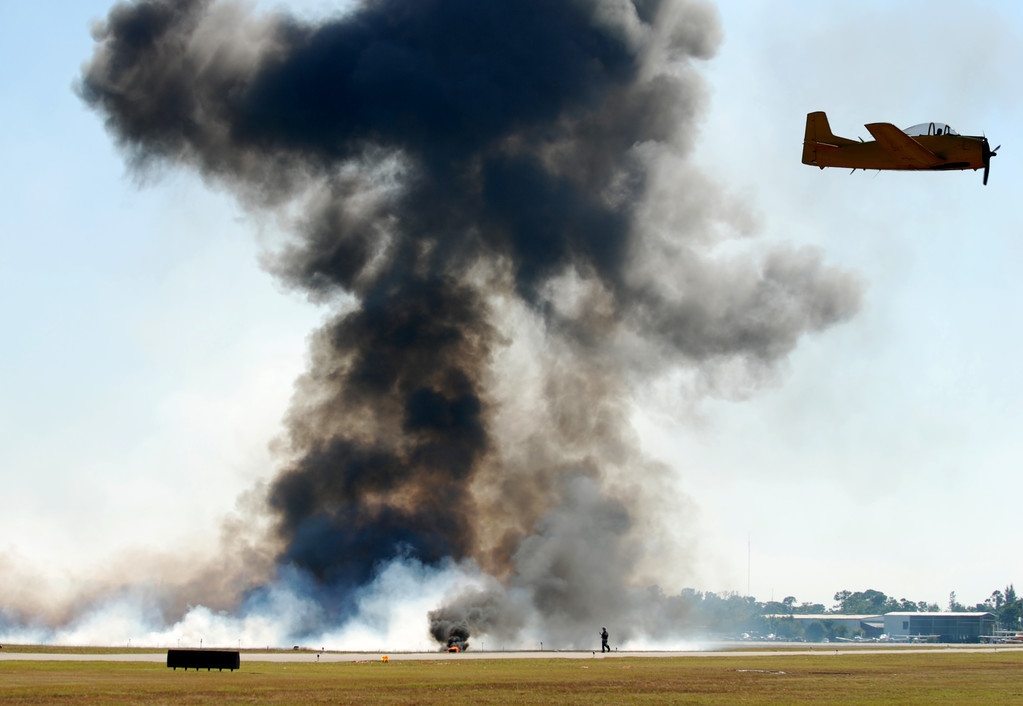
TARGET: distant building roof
(824,616)
(847,616)
(975,614)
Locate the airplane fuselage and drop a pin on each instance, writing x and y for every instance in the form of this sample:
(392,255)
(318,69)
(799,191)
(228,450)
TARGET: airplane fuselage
(955,151)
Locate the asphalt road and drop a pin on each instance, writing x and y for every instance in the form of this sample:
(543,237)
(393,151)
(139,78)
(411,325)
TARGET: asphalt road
(328,657)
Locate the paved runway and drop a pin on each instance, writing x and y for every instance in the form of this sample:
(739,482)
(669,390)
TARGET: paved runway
(329,657)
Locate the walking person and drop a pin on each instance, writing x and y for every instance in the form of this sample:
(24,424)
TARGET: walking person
(603,641)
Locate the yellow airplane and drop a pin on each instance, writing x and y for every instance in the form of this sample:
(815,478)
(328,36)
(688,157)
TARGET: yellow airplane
(927,146)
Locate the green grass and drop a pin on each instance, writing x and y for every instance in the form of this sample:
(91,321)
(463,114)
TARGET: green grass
(80,650)
(928,678)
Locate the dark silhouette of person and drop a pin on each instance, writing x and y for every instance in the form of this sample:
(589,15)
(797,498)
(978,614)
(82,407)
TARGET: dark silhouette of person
(603,641)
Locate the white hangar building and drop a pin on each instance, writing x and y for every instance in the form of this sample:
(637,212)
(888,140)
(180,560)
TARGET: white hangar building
(948,627)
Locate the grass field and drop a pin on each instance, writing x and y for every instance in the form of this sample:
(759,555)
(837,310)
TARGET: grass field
(931,678)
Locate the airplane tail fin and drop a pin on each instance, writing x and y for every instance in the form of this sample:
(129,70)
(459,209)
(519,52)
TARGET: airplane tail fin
(818,133)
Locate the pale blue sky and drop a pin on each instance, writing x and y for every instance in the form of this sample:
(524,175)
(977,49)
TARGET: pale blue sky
(843,474)
(149,358)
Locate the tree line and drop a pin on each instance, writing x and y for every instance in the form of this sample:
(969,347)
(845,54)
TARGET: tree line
(732,615)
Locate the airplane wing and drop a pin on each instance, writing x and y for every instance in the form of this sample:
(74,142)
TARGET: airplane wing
(903,149)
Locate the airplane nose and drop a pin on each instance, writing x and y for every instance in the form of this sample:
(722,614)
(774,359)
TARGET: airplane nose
(987,154)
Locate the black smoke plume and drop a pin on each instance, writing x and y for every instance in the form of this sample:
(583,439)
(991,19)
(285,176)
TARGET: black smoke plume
(495,199)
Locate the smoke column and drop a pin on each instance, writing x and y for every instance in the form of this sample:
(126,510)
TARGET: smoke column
(495,200)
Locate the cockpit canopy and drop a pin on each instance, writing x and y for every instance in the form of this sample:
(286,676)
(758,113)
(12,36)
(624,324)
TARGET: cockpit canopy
(930,129)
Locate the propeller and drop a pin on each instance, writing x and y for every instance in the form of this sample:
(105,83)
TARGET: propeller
(986,156)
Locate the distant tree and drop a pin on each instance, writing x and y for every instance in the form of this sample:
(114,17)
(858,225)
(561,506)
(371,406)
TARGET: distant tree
(784,627)
(788,607)
(776,608)
(835,629)
(789,628)
(1010,614)
(724,614)
(810,609)
(992,603)
(954,606)
(814,632)
(1010,617)
(917,607)
(869,602)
